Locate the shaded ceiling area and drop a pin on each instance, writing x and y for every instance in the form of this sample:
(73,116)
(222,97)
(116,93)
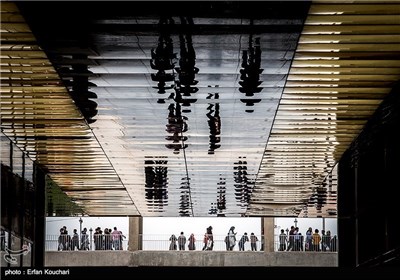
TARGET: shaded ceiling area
(195,109)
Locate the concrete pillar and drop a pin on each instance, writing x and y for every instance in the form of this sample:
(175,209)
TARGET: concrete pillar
(39,222)
(135,233)
(268,229)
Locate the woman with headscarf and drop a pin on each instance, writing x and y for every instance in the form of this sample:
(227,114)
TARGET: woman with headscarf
(232,238)
(192,240)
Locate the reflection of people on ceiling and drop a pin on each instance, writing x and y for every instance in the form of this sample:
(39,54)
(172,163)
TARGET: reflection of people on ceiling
(176,125)
(177,96)
(214,123)
(250,72)
(156,187)
(184,204)
(243,186)
(187,61)
(221,200)
(162,57)
(161,77)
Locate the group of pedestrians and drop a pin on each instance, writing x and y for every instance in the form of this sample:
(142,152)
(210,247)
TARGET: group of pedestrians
(230,240)
(181,240)
(68,242)
(179,243)
(109,240)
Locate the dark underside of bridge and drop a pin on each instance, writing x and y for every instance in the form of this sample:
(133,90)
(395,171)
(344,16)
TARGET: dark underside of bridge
(126,46)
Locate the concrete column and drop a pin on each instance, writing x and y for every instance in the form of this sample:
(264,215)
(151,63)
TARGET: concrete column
(39,222)
(268,229)
(135,233)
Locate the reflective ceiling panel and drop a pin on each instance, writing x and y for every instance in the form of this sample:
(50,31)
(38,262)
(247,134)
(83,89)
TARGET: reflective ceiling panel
(200,109)
(184,114)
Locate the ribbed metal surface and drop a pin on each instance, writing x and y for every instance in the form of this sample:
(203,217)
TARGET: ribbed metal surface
(39,116)
(347,61)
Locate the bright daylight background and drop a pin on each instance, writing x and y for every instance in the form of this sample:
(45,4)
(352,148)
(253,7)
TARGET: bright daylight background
(160,229)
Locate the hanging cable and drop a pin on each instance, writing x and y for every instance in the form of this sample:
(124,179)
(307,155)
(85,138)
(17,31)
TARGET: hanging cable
(187,174)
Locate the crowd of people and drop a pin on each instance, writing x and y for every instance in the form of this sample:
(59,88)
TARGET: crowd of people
(313,241)
(293,241)
(109,240)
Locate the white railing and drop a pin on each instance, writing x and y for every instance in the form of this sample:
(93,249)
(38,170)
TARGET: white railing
(147,242)
(162,243)
(84,242)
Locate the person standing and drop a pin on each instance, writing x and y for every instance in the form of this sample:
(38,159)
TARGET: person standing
(309,238)
(205,240)
(316,238)
(84,240)
(107,239)
(291,238)
(192,244)
(208,240)
(181,241)
(333,244)
(231,238)
(75,240)
(116,238)
(121,238)
(68,240)
(253,241)
(226,240)
(61,240)
(282,241)
(242,241)
(172,245)
(325,240)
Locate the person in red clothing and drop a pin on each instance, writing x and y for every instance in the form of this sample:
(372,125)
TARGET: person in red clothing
(208,240)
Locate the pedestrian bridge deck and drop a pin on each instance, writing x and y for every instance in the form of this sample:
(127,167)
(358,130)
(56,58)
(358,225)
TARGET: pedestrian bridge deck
(190,258)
